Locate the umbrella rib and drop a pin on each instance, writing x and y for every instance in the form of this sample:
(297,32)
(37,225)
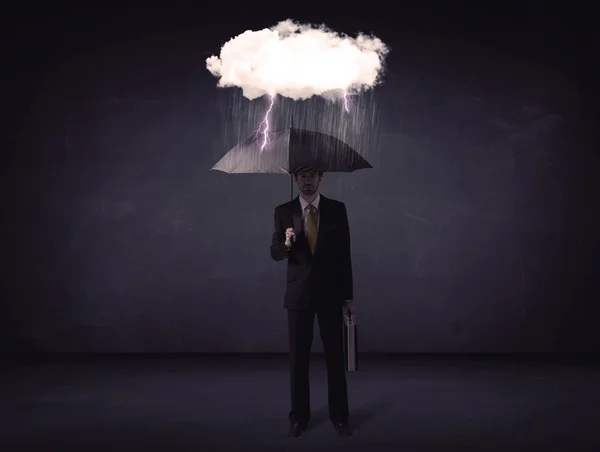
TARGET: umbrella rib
(236,166)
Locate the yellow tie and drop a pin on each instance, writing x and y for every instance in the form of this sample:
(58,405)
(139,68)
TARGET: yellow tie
(311,228)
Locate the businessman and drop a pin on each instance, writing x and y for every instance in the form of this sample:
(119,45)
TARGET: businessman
(313,234)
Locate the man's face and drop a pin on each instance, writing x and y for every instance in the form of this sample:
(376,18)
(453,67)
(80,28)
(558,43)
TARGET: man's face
(308,183)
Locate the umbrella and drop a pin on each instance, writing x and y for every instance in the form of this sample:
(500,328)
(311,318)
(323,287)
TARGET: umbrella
(291,150)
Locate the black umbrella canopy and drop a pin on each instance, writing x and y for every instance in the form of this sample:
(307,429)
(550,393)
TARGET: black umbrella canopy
(291,150)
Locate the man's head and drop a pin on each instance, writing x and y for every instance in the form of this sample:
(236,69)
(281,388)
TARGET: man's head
(308,182)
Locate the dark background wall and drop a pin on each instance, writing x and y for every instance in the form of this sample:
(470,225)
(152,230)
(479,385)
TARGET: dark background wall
(475,232)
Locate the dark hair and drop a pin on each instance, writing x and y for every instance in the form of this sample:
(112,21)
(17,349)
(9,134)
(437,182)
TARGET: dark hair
(307,171)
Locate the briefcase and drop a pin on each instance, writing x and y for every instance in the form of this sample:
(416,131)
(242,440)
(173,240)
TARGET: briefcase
(350,342)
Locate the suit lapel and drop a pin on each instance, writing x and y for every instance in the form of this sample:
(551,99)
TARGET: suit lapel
(297,219)
(323,222)
(298,225)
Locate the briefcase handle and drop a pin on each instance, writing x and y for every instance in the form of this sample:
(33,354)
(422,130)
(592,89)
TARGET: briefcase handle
(349,318)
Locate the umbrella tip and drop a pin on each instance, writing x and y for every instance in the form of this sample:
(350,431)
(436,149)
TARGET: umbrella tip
(292,121)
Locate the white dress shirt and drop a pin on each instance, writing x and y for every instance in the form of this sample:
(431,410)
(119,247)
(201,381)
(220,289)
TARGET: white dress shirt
(304,206)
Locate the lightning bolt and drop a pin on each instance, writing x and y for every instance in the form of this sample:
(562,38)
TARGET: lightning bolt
(264,127)
(346,101)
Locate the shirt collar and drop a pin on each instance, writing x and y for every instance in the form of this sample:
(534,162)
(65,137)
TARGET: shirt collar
(315,203)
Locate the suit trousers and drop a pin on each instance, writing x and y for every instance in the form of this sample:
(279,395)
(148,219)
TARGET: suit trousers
(300,329)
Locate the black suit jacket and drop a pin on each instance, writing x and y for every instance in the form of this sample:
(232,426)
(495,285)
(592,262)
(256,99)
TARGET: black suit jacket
(327,275)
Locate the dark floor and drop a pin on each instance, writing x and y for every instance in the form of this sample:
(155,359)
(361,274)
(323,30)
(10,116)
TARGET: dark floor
(204,404)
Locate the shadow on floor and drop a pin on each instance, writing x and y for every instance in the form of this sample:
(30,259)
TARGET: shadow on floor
(367,413)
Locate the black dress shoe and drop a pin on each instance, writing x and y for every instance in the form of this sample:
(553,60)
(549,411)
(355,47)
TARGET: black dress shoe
(342,428)
(296,429)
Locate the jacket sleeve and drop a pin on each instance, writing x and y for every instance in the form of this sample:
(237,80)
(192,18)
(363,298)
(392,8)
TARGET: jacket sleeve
(279,251)
(346,258)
